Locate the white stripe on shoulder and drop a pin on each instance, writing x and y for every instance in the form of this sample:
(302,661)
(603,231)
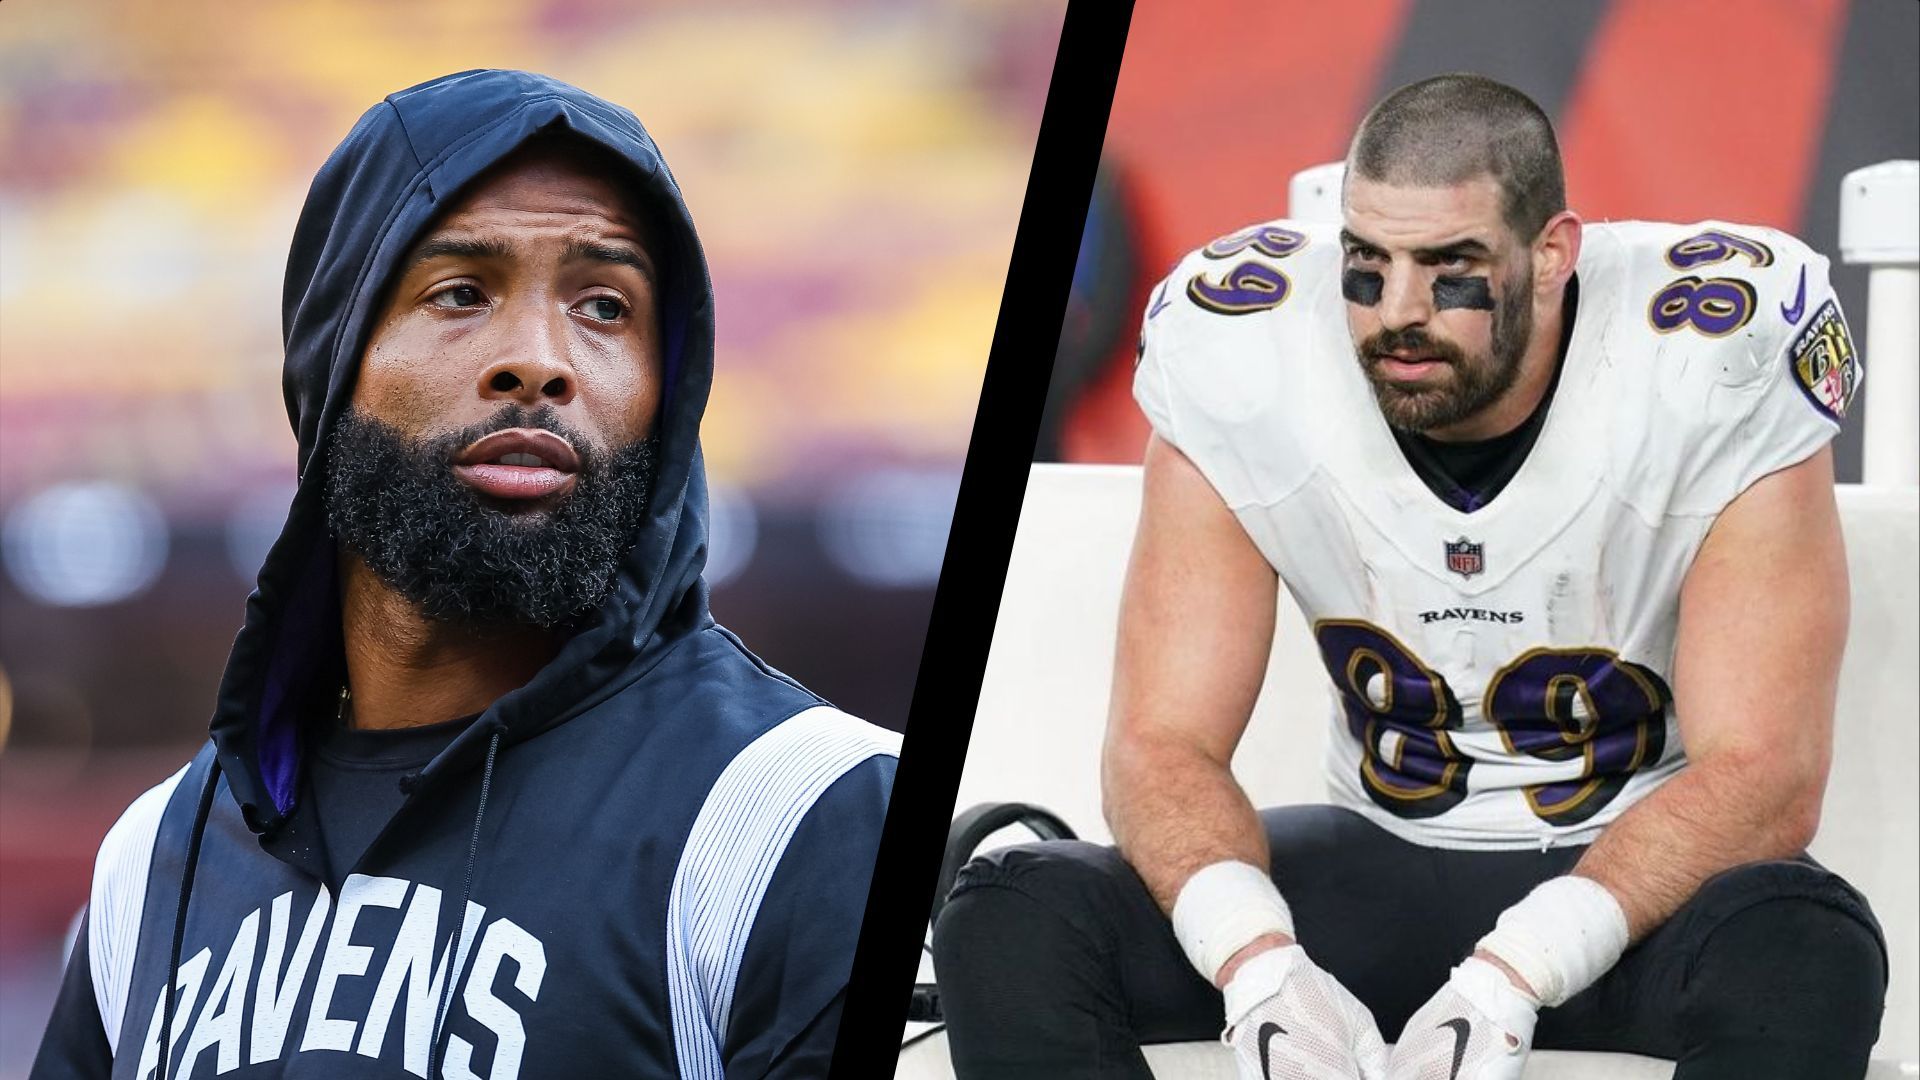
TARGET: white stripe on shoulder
(737,839)
(119,898)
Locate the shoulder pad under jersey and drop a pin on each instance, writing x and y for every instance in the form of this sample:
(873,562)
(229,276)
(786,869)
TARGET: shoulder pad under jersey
(1725,357)
(1226,351)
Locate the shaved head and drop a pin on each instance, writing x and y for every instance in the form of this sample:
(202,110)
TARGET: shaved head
(1450,129)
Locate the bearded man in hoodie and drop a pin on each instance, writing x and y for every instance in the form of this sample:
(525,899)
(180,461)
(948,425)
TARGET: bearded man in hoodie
(488,791)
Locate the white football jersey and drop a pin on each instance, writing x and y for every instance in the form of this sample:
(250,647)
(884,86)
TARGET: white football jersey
(1502,676)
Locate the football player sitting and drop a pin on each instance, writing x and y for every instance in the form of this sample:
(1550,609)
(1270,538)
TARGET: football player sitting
(1557,502)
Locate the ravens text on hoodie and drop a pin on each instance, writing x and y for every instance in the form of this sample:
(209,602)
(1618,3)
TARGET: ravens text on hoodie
(663,844)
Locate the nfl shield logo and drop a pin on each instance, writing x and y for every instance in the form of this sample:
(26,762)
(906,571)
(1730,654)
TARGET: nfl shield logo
(1464,557)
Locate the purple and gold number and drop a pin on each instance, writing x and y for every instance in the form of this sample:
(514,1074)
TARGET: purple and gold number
(1579,704)
(1715,307)
(1269,240)
(1247,288)
(1714,246)
(1253,284)
(1400,710)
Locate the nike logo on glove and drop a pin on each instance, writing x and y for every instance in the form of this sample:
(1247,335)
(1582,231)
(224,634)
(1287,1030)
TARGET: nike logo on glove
(1461,1030)
(1267,1031)
(1792,312)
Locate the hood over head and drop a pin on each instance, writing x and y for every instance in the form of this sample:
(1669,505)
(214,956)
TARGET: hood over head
(402,166)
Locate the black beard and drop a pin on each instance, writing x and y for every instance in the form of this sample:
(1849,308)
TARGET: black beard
(453,553)
(1477,382)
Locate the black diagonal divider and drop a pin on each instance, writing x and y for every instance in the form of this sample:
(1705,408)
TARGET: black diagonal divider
(992,486)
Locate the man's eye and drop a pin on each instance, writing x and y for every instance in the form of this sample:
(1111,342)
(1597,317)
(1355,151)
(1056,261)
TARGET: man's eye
(460,296)
(605,308)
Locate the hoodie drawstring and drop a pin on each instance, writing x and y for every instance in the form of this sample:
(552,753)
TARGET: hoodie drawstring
(200,815)
(459,913)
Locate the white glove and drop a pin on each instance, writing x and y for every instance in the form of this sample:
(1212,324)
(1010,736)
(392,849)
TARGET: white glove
(1289,1020)
(1478,1027)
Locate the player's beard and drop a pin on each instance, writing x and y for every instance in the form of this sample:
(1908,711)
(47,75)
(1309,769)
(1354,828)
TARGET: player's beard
(1476,381)
(396,504)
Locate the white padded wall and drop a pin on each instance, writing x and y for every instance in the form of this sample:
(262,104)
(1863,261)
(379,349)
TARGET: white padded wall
(1870,825)
(1043,702)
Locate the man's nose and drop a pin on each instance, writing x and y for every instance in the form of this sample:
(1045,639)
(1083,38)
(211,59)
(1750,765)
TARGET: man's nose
(531,364)
(1406,299)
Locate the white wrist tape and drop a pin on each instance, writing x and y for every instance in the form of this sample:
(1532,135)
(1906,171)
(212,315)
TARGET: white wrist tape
(1257,980)
(1561,937)
(1224,907)
(1488,989)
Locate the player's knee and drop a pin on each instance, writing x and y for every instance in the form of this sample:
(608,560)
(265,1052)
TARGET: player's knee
(1805,905)
(1807,957)
(1017,913)
(1057,873)
(1828,945)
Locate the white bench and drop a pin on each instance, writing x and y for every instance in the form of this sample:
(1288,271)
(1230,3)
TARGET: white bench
(1044,699)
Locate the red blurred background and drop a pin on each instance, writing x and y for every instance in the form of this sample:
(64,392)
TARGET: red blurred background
(1668,110)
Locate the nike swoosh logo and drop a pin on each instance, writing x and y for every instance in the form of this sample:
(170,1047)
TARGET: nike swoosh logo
(1793,311)
(1267,1031)
(1461,1029)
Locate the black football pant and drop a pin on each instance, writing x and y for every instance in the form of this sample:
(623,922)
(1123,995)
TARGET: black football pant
(1053,961)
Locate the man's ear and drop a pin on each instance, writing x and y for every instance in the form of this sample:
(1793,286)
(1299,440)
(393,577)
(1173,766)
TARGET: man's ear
(1555,252)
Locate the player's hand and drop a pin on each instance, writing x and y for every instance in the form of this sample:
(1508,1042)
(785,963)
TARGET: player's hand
(1289,1020)
(1478,1027)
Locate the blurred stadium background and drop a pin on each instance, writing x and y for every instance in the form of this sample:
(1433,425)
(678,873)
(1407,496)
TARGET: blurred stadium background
(855,169)
(1667,110)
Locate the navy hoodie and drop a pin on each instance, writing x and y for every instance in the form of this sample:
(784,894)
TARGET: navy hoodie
(664,844)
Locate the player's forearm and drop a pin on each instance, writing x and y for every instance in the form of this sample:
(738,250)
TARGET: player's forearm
(1729,807)
(1714,815)
(1173,809)
(1763,620)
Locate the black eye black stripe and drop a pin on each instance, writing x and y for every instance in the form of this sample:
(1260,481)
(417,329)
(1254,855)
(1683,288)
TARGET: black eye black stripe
(1474,293)
(1362,287)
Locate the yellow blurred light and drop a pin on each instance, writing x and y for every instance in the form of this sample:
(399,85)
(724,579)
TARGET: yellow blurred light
(202,147)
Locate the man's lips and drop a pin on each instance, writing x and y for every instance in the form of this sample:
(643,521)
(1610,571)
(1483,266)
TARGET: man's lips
(518,463)
(1406,367)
